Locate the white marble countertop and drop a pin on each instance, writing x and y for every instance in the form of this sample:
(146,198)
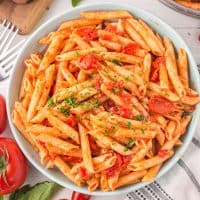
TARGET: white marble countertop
(187,27)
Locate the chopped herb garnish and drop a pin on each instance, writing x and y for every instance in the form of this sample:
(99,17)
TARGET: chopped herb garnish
(126,78)
(128,124)
(133,129)
(96,103)
(142,129)
(50,102)
(116,90)
(64,111)
(87,105)
(77,53)
(116,62)
(100,119)
(125,149)
(106,132)
(130,143)
(72,101)
(140,117)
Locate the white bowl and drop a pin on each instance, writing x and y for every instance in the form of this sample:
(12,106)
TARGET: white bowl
(32,45)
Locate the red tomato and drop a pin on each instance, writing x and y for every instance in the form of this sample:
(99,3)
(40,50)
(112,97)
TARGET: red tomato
(83,173)
(72,159)
(79,196)
(130,48)
(2,114)
(125,97)
(162,153)
(13,166)
(160,105)
(122,111)
(93,145)
(89,61)
(88,33)
(71,121)
(106,37)
(115,168)
(155,70)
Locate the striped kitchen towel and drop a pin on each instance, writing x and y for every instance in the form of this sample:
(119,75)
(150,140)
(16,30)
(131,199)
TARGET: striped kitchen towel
(182,182)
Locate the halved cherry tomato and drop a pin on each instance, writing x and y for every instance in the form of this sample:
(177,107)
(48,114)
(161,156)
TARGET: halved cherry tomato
(155,69)
(93,145)
(160,105)
(121,162)
(130,48)
(89,61)
(71,121)
(163,152)
(88,33)
(83,173)
(79,196)
(2,114)
(122,111)
(13,166)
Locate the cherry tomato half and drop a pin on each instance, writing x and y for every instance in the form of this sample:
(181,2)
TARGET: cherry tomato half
(2,114)
(79,196)
(71,121)
(13,166)
(160,105)
(88,33)
(88,62)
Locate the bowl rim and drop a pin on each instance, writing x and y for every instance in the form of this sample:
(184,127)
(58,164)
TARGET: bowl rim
(172,161)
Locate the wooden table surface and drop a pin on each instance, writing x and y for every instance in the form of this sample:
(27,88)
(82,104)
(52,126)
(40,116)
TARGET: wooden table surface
(187,27)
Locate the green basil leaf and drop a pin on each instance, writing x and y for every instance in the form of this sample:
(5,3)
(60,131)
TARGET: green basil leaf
(75,2)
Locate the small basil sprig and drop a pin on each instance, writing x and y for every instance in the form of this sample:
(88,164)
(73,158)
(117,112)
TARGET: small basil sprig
(75,2)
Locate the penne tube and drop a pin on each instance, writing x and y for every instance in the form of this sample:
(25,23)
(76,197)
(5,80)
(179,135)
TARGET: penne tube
(52,51)
(172,68)
(153,35)
(22,90)
(130,178)
(65,169)
(39,87)
(54,141)
(148,163)
(38,129)
(86,151)
(151,173)
(147,67)
(72,55)
(135,36)
(170,129)
(190,100)
(67,75)
(135,134)
(108,142)
(165,93)
(60,95)
(21,127)
(78,23)
(80,42)
(62,127)
(104,183)
(110,45)
(163,77)
(39,117)
(57,150)
(93,183)
(148,36)
(102,15)
(133,77)
(120,57)
(49,78)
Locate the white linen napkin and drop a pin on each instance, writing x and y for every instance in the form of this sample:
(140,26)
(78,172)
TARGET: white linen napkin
(182,182)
